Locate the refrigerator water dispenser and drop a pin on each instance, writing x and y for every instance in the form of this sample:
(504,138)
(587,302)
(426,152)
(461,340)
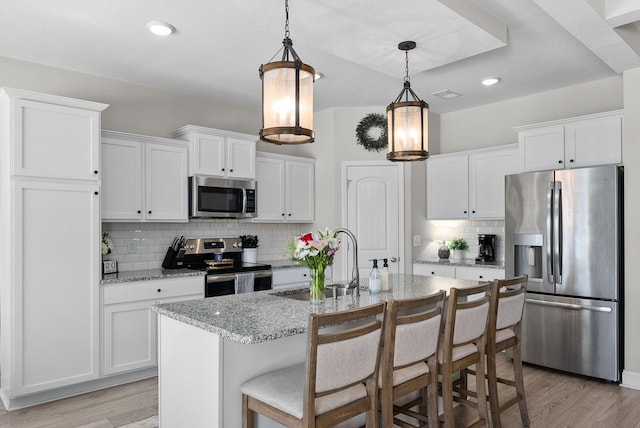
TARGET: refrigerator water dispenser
(528,256)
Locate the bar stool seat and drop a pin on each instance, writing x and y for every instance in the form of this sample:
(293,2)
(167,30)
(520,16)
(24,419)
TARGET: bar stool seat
(339,379)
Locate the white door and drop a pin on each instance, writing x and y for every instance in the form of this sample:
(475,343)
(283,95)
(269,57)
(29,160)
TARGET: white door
(375,214)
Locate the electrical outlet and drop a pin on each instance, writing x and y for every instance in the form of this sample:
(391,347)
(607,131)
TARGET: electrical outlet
(416,240)
(132,246)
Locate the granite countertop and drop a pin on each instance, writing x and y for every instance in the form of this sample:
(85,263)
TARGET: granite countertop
(266,315)
(462,263)
(147,275)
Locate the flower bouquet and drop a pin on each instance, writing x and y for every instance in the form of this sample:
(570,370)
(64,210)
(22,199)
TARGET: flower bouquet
(107,244)
(316,251)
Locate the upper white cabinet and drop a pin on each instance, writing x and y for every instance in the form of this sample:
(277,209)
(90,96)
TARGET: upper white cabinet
(144,178)
(286,188)
(219,153)
(51,136)
(50,251)
(572,143)
(469,185)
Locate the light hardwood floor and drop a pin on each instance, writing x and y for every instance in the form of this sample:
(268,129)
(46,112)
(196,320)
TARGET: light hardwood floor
(553,399)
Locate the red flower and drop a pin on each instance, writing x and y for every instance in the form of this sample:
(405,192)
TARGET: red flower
(306,238)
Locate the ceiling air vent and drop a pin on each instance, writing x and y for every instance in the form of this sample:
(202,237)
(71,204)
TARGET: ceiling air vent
(447,94)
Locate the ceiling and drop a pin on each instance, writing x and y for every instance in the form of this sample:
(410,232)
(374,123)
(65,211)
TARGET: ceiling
(532,45)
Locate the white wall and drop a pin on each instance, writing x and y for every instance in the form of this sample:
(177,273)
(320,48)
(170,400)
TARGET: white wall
(631,156)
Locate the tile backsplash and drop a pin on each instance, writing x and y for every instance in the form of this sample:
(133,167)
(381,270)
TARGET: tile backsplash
(139,246)
(439,230)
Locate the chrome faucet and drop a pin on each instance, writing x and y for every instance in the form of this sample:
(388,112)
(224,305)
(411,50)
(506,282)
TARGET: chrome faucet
(355,280)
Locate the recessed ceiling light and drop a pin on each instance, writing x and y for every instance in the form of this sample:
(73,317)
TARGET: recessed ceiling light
(160,28)
(490,81)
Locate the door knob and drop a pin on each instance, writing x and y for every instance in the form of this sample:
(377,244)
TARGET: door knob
(393,259)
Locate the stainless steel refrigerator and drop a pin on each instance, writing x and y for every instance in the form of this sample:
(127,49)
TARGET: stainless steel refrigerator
(564,229)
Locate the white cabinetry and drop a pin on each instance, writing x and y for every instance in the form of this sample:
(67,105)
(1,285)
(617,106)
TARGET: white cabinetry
(144,178)
(219,153)
(286,188)
(130,327)
(50,250)
(572,143)
(459,272)
(296,276)
(470,184)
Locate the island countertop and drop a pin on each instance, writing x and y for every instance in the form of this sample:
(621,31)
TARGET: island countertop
(267,315)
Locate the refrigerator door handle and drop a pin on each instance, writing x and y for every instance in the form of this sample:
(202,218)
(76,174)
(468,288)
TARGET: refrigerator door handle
(569,305)
(549,243)
(557,233)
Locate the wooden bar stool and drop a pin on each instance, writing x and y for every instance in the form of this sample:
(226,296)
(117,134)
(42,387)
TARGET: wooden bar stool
(409,361)
(338,381)
(463,345)
(504,332)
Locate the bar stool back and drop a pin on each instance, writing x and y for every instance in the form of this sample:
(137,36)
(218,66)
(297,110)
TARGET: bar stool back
(409,361)
(338,381)
(463,345)
(505,318)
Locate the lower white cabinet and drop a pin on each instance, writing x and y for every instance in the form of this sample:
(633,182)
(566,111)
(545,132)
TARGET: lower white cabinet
(296,276)
(129,325)
(459,272)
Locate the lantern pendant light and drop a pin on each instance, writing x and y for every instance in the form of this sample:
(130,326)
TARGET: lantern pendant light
(287,96)
(407,120)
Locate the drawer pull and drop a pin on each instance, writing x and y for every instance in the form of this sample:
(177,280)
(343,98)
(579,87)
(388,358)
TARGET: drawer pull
(159,290)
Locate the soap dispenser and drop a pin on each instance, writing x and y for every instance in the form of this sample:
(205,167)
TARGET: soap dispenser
(385,276)
(375,283)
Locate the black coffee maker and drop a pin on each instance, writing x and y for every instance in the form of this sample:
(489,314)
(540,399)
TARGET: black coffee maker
(486,248)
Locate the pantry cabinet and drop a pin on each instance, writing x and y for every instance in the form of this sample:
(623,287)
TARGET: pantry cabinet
(219,153)
(286,188)
(50,251)
(572,143)
(129,333)
(469,185)
(144,178)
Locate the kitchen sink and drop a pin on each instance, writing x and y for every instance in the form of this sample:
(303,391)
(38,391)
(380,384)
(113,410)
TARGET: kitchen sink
(304,294)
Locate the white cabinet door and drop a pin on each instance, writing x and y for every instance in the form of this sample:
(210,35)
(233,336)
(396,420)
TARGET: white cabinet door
(270,175)
(121,180)
(54,312)
(165,183)
(593,142)
(486,182)
(208,155)
(479,274)
(542,148)
(447,187)
(300,191)
(429,269)
(283,278)
(241,158)
(56,141)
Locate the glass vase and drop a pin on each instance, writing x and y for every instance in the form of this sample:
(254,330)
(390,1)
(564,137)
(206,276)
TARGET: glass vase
(317,295)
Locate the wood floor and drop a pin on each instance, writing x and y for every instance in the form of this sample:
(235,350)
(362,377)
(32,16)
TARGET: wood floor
(553,399)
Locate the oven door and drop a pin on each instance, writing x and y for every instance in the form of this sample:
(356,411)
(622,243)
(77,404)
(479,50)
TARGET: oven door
(223,284)
(219,285)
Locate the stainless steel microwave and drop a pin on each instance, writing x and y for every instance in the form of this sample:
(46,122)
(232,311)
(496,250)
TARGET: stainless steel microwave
(213,197)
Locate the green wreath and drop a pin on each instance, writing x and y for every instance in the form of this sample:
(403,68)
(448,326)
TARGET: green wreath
(364,135)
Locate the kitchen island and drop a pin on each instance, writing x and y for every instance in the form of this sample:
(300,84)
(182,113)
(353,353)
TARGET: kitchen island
(209,347)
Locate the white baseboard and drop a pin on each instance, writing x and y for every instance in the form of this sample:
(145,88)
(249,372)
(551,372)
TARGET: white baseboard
(630,379)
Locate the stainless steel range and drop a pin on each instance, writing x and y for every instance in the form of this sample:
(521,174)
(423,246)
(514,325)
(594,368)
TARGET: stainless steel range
(226,272)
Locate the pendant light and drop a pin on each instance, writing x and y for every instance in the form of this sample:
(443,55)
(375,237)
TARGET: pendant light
(407,120)
(287,96)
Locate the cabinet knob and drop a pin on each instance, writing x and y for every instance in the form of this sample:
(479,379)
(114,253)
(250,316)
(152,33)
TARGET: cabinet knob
(473,212)
(560,161)
(159,290)
(433,273)
(139,211)
(231,170)
(95,172)
(289,214)
(480,276)
(95,193)
(282,214)
(222,169)
(149,211)
(570,160)
(465,211)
